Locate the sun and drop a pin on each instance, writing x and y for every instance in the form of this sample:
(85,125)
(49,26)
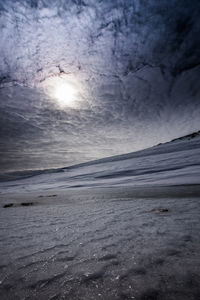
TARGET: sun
(65,94)
(63,91)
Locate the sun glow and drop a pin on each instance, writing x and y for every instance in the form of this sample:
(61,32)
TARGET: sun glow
(65,94)
(63,91)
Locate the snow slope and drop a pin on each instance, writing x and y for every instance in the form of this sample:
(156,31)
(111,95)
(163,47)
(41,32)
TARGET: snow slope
(173,163)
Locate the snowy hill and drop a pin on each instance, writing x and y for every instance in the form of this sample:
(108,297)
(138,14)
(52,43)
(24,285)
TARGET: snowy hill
(173,163)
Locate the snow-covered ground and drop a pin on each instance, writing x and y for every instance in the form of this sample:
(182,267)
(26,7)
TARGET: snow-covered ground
(124,227)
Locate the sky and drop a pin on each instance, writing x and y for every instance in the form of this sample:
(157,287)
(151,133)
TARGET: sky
(86,79)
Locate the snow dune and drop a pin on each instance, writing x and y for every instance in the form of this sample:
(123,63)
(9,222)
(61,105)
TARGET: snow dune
(173,163)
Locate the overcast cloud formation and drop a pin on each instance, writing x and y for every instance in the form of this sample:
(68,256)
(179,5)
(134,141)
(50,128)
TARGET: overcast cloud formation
(136,64)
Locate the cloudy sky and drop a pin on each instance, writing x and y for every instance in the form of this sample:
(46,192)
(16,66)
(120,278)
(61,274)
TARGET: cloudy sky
(84,79)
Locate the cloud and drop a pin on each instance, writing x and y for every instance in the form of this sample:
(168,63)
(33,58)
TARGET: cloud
(136,65)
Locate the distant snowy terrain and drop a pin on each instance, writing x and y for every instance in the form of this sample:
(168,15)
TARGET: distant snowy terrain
(173,163)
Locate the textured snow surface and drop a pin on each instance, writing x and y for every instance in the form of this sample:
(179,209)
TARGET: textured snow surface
(101,244)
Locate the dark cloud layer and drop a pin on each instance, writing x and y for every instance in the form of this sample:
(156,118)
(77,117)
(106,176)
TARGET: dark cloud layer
(136,63)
